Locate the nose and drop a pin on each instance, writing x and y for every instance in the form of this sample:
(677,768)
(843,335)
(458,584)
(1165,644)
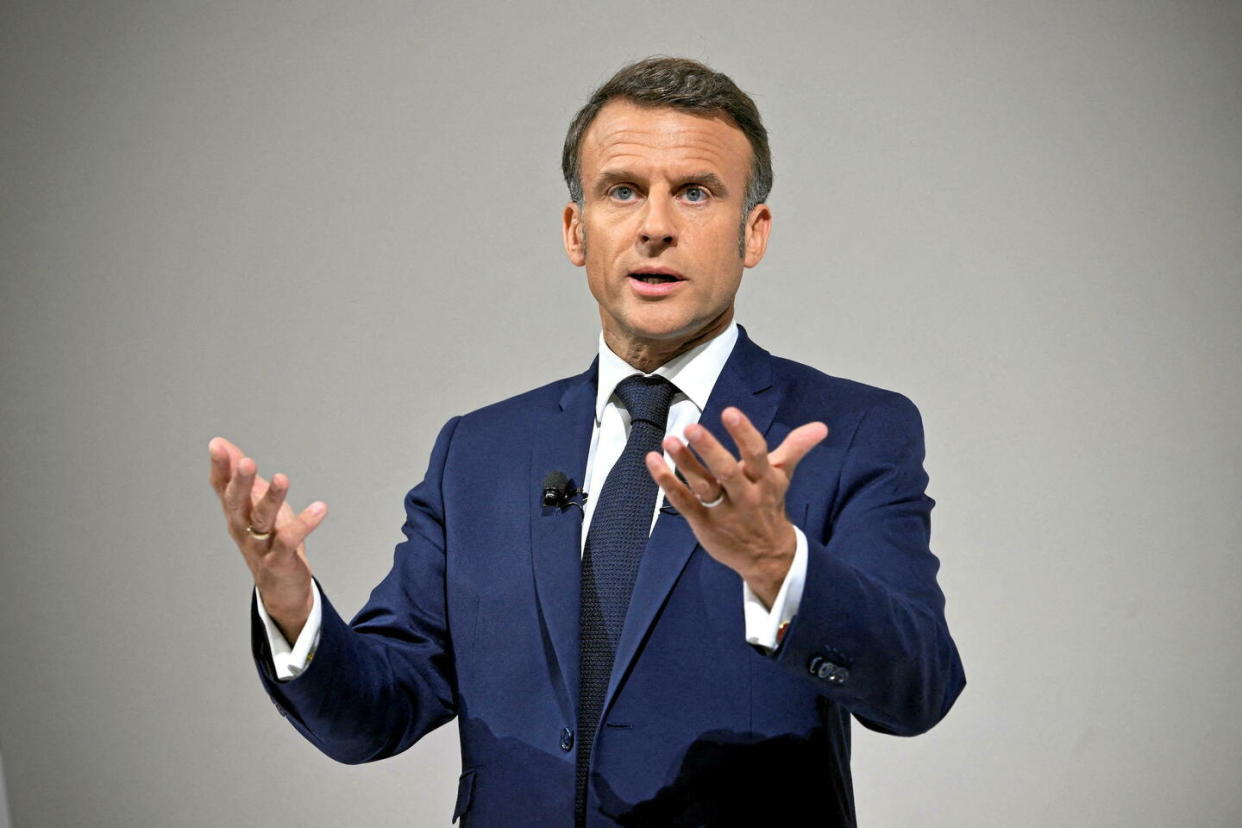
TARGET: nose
(658,228)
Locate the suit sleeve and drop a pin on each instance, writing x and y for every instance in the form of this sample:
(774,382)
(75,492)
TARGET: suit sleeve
(381,682)
(870,630)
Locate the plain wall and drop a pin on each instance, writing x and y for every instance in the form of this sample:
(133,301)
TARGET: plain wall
(321,229)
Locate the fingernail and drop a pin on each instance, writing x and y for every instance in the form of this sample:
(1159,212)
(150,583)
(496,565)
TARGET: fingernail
(317,509)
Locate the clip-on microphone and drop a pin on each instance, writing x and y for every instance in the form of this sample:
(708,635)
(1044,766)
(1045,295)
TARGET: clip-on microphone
(559,492)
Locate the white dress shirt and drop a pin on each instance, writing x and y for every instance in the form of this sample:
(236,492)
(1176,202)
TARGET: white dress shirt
(694,373)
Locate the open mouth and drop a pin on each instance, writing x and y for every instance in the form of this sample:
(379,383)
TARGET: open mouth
(655,278)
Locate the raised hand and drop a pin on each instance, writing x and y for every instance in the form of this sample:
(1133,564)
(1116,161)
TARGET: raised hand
(737,507)
(270,536)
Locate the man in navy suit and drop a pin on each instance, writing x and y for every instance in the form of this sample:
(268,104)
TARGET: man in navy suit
(781,583)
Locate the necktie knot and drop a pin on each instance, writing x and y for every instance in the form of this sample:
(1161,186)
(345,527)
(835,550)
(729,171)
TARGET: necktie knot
(647,398)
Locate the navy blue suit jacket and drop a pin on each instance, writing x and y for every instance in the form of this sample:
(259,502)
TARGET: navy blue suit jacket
(478,619)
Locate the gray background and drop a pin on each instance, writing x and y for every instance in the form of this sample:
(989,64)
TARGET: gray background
(321,229)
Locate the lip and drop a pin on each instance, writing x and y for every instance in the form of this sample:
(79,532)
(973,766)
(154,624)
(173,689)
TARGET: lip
(655,269)
(657,289)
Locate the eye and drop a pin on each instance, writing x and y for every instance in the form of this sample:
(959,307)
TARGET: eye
(696,194)
(623,192)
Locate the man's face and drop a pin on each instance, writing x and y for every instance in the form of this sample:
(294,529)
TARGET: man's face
(663,192)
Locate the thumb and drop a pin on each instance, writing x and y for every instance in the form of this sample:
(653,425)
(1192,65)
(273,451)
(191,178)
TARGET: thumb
(290,535)
(796,444)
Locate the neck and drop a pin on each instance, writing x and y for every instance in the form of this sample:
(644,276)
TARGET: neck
(646,355)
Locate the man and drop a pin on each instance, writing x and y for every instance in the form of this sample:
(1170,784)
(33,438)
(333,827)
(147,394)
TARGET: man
(615,658)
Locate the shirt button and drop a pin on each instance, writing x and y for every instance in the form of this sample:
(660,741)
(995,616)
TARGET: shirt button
(567,739)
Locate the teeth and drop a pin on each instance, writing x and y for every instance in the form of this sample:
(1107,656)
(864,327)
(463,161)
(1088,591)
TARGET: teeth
(655,278)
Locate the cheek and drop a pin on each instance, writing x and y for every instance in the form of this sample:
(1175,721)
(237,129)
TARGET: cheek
(722,233)
(596,240)
(725,256)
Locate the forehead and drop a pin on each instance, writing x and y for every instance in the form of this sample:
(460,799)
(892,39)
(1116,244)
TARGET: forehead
(626,134)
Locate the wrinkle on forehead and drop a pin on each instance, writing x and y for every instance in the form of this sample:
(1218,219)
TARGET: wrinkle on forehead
(624,132)
(628,157)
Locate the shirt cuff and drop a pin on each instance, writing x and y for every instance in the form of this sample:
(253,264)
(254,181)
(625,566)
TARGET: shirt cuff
(291,661)
(762,624)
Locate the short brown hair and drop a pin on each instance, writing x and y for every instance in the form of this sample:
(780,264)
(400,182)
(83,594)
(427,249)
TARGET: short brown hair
(681,84)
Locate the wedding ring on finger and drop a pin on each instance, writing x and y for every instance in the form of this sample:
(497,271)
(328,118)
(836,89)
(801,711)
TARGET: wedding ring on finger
(712,504)
(250,530)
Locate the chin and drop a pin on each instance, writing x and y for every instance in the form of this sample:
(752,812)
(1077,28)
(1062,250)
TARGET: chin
(656,325)
(664,331)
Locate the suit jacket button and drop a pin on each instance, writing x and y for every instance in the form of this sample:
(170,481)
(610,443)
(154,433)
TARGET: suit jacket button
(567,739)
(830,672)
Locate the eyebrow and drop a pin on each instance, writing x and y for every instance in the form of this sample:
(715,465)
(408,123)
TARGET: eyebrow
(707,178)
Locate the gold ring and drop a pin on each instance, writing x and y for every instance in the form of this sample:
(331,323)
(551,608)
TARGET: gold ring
(257,535)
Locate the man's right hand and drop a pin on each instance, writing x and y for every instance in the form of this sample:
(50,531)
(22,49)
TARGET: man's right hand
(253,507)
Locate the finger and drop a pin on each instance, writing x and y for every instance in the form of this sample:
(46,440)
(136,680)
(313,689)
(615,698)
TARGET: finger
(696,475)
(290,535)
(237,494)
(263,513)
(750,443)
(718,459)
(675,492)
(796,444)
(223,457)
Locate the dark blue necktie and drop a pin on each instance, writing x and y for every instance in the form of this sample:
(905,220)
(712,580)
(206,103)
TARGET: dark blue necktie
(614,546)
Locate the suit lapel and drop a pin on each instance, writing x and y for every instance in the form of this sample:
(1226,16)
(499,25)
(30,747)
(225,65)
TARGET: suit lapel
(562,445)
(745,382)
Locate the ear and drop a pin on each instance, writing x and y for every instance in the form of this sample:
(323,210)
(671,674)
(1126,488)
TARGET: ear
(758,226)
(574,234)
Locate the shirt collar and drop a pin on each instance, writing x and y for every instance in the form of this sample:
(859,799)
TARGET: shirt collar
(694,373)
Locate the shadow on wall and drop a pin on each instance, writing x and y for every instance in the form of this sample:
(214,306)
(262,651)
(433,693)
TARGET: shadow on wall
(5,822)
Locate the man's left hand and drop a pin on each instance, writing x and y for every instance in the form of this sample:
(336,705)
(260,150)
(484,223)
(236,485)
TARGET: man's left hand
(747,530)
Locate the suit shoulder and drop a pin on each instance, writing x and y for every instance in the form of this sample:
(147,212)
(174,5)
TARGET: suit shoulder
(529,405)
(812,387)
(875,421)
